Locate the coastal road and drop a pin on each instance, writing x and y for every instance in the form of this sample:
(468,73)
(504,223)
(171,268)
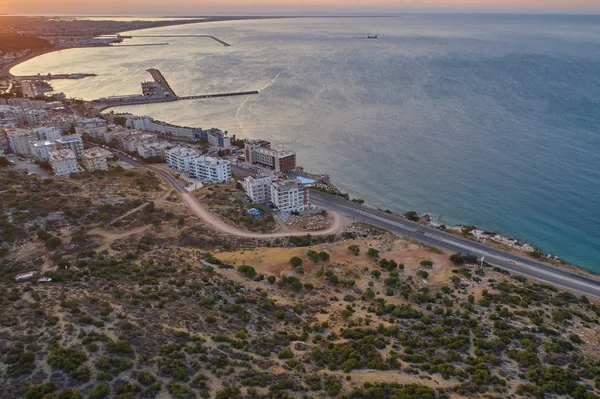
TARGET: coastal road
(576,283)
(547,273)
(210,218)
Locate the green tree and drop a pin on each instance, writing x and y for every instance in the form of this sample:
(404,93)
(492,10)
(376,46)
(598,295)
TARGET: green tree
(412,215)
(373,253)
(296,261)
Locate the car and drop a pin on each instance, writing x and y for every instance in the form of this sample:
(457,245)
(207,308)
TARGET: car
(421,231)
(512,262)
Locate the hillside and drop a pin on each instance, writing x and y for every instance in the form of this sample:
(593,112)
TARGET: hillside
(148,302)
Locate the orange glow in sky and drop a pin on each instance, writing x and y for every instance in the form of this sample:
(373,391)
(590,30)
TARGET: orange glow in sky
(199,7)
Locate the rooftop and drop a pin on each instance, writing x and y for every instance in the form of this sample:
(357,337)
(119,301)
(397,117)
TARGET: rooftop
(60,155)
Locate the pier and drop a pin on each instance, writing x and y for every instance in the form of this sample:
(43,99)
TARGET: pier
(56,76)
(224,43)
(158,91)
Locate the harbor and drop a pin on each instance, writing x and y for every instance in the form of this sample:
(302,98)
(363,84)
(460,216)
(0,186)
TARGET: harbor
(157,91)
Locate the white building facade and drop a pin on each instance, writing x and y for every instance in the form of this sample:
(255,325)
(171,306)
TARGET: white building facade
(63,162)
(259,188)
(95,159)
(289,195)
(73,142)
(94,127)
(19,141)
(41,149)
(179,158)
(210,169)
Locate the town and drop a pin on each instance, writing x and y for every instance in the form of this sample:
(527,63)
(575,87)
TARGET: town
(45,137)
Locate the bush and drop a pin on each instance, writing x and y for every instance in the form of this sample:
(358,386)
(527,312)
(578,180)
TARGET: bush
(412,216)
(53,242)
(123,347)
(39,391)
(373,253)
(295,261)
(324,256)
(355,249)
(247,271)
(423,274)
(100,391)
(271,279)
(457,259)
(426,263)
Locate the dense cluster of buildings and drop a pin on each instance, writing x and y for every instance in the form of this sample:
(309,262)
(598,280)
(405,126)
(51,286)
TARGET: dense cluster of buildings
(47,144)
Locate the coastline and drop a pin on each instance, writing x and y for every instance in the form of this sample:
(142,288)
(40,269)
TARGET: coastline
(560,264)
(5,71)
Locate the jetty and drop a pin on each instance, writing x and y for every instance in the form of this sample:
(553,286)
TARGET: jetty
(224,43)
(157,91)
(51,76)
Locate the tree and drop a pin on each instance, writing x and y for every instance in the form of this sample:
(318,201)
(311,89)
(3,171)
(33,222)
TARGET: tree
(426,263)
(423,274)
(271,279)
(457,259)
(324,256)
(375,273)
(295,261)
(355,249)
(412,216)
(373,253)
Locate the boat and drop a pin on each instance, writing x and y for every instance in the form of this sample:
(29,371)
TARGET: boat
(372,37)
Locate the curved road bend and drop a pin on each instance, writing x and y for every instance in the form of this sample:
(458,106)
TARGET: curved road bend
(576,283)
(213,219)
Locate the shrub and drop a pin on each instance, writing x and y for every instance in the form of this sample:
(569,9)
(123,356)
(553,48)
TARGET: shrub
(355,249)
(123,347)
(426,263)
(100,391)
(247,271)
(271,279)
(423,274)
(412,216)
(373,253)
(295,261)
(53,242)
(457,259)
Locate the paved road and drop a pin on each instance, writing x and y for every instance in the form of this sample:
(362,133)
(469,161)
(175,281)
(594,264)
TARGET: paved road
(578,284)
(573,282)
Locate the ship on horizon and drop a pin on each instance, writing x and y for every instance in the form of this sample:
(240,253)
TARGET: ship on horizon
(372,37)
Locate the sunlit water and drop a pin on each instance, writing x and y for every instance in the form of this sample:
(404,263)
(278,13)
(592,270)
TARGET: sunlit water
(487,120)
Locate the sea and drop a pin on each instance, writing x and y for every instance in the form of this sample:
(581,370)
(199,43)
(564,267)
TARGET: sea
(487,120)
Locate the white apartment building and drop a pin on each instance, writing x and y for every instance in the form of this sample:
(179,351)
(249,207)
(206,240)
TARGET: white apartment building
(95,159)
(14,114)
(137,122)
(94,127)
(168,130)
(72,142)
(48,133)
(217,138)
(35,116)
(19,140)
(259,188)
(179,158)
(153,149)
(131,143)
(41,149)
(289,195)
(210,169)
(64,162)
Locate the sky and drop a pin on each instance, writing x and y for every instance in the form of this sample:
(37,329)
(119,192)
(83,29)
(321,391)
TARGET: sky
(225,7)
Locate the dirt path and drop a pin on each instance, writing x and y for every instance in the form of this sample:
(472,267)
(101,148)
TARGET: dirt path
(220,225)
(109,238)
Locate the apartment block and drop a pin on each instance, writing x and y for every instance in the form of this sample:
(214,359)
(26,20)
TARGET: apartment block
(95,159)
(210,169)
(94,127)
(63,162)
(179,158)
(259,188)
(259,152)
(289,195)
(72,142)
(41,149)
(19,140)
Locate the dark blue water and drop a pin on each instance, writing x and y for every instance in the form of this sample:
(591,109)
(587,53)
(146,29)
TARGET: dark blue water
(487,120)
